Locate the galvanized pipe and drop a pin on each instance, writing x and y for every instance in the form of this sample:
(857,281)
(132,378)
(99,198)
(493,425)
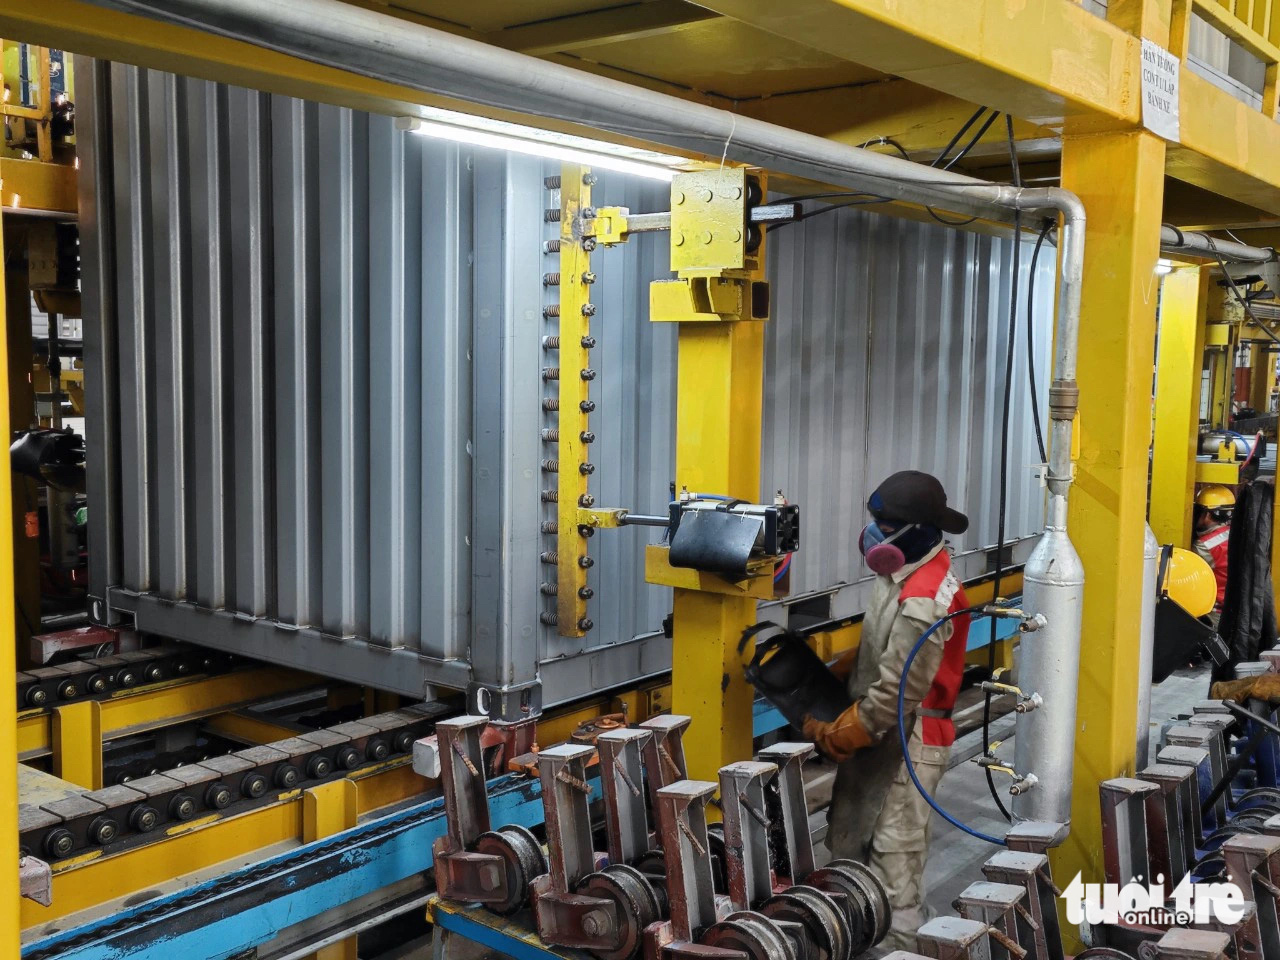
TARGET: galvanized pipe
(381,47)
(1191,243)
(1146,645)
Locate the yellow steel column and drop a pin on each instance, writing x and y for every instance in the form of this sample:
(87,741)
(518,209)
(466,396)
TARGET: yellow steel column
(719,308)
(77,743)
(1221,385)
(1120,178)
(8,717)
(1179,362)
(328,809)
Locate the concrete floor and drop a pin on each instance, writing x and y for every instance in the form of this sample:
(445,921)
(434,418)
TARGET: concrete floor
(955,858)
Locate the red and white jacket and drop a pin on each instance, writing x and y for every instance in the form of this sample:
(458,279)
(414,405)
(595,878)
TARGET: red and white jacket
(1212,545)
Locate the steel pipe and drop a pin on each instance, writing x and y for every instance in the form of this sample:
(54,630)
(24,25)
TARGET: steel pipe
(1191,243)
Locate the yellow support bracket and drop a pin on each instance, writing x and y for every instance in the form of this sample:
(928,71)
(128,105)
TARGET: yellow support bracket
(1214,471)
(77,743)
(609,226)
(658,569)
(328,809)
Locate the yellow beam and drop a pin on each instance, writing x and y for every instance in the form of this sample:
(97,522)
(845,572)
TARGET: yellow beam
(1042,60)
(1118,176)
(609,25)
(250,728)
(1179,361)
(77,743)
(9,897)
(922,120)
(127,713)
(29,186)
(1261,373)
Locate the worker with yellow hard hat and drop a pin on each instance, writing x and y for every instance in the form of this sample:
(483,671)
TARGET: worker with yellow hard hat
(1214,504)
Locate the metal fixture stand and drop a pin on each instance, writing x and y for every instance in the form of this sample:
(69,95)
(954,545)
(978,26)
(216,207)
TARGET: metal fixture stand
(1000,906)
(1030,871)
(1253,861)
(664,762)
(1170,831)
(954,938)
(1124,827)
(1180,944)
(1202,782)
(473,863)
(621,778)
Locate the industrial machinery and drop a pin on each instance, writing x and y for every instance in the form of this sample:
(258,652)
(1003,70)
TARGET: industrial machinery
(651,894)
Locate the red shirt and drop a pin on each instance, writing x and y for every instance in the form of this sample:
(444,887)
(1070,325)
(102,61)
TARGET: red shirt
(1212,545)
(933,580)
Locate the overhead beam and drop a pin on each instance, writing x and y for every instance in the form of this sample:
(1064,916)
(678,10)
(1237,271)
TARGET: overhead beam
(919,118)
(611,25)
(1050,62)
(29,186)
(1042,60)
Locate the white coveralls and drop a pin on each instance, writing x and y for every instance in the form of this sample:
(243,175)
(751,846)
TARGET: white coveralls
(877,816)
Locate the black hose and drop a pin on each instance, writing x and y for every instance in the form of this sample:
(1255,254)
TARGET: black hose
(1031,340)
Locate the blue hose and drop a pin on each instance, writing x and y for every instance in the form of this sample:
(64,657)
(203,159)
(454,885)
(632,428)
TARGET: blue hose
(902,731)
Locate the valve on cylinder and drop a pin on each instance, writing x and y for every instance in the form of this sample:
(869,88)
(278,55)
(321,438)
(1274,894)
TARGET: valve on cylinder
(474,863)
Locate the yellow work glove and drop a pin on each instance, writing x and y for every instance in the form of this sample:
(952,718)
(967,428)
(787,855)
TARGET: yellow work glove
(839,738)
(1264,687)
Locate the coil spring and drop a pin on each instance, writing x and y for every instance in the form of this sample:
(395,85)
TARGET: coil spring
(551,466)
(552,214)
(550,526)
(552,182)
(551,343)
(550,619)
(551,279)
(551,404)
(550,373)
(551,246)
(551,310)
(549,557)
(551,435)
(549,589)
(550,496)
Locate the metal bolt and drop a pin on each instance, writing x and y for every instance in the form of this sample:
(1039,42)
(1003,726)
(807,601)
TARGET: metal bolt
(103,830)
(585,624)
(68,690)
(586,500)
(594,922)
(587,374)
(126,678)
(586,469)
(588,244)
(97,683)
(587,406)
(586,530)
(287,776)
(182,807)
(144,819)
(154,673)
(677,238)
(585,593)
(588,309)
(59,843)
(36,697)
(586,436)
(588,213)
(586,563)
(377,749)
(218,796)
(182,668)
(253,785)
(318,767)
(403,742)
(590,179)
(588,277)
(587,342)
(348,758)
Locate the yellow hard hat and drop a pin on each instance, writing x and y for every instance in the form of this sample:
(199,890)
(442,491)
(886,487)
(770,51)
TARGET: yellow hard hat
(1215,496)
(1189,582)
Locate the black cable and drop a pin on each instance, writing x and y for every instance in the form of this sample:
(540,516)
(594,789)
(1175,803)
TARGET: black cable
(1031,340)
(959,133)
(986,125)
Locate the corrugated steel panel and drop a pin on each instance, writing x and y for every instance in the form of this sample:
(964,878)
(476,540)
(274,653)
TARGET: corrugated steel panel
(323,337)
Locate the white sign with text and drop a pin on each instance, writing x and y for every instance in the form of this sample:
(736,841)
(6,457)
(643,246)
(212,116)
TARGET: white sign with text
(1160,70)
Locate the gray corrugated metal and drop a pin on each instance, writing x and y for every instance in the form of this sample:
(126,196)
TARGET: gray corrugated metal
(324,340)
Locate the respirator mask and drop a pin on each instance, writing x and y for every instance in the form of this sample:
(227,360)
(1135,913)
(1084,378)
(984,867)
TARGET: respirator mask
(883,556)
